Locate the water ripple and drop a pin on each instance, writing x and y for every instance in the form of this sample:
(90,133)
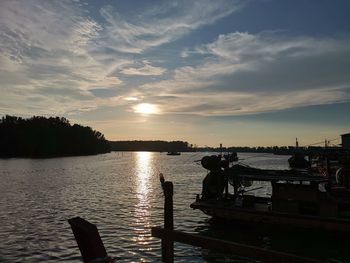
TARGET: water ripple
(120,193)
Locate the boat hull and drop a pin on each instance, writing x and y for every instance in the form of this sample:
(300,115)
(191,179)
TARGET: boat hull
(250,215)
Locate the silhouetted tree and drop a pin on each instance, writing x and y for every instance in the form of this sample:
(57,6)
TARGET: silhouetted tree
(48,137)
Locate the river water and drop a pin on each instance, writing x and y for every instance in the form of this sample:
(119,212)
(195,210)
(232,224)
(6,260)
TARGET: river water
(121,194)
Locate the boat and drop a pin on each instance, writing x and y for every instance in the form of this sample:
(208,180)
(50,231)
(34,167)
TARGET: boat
(298,199)
(298,161)
(173,153)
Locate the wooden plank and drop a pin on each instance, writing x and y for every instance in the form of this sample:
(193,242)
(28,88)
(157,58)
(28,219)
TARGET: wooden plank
(89,241)
(229,247)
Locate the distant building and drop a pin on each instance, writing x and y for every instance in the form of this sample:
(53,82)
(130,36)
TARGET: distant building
(345,140)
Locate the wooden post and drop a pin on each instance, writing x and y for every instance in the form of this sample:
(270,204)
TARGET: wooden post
(168,244)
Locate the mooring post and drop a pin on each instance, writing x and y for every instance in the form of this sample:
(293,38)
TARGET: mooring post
(168,244)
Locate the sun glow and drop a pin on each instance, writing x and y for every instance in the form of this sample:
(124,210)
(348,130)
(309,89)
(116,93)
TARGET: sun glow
(146,108)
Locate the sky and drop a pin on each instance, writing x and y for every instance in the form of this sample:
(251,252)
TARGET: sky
(240,73)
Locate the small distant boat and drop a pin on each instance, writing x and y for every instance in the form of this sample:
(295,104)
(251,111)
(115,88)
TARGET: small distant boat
(297,160)
(173,153)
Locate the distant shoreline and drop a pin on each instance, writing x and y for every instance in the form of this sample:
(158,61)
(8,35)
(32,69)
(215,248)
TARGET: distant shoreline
(181,146)
(41,137)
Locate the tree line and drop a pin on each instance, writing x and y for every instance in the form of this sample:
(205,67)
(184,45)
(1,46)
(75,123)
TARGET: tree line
(153,146)
(48,137)
(55,136)
(183,146)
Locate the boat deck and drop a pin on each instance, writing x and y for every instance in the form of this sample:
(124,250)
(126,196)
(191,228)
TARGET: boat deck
(261,212)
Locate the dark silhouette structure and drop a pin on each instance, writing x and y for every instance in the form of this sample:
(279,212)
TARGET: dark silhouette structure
(152,146)
(89,241)
(40,137)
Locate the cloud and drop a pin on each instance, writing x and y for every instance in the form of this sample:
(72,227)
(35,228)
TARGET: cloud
(47,54)
(242,73)
(162,24)
(143,69)
(56,58)
(35,28)
(66,59)
(266,46)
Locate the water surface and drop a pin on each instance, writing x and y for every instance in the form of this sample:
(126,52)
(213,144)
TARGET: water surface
(121,194)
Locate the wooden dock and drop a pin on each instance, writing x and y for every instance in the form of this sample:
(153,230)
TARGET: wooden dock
(168,236)
(93,250)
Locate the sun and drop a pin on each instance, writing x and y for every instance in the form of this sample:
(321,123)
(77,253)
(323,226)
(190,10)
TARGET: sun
(146,108)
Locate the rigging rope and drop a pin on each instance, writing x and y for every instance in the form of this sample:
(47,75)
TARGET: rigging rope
(321,142)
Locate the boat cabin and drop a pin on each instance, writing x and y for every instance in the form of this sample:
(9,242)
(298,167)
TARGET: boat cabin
(298,194)
(302,199)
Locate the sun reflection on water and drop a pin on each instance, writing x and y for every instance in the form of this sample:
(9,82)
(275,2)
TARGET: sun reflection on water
(143,173)
(143,177)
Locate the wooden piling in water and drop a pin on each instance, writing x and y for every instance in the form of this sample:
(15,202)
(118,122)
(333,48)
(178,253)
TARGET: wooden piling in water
(168,244)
